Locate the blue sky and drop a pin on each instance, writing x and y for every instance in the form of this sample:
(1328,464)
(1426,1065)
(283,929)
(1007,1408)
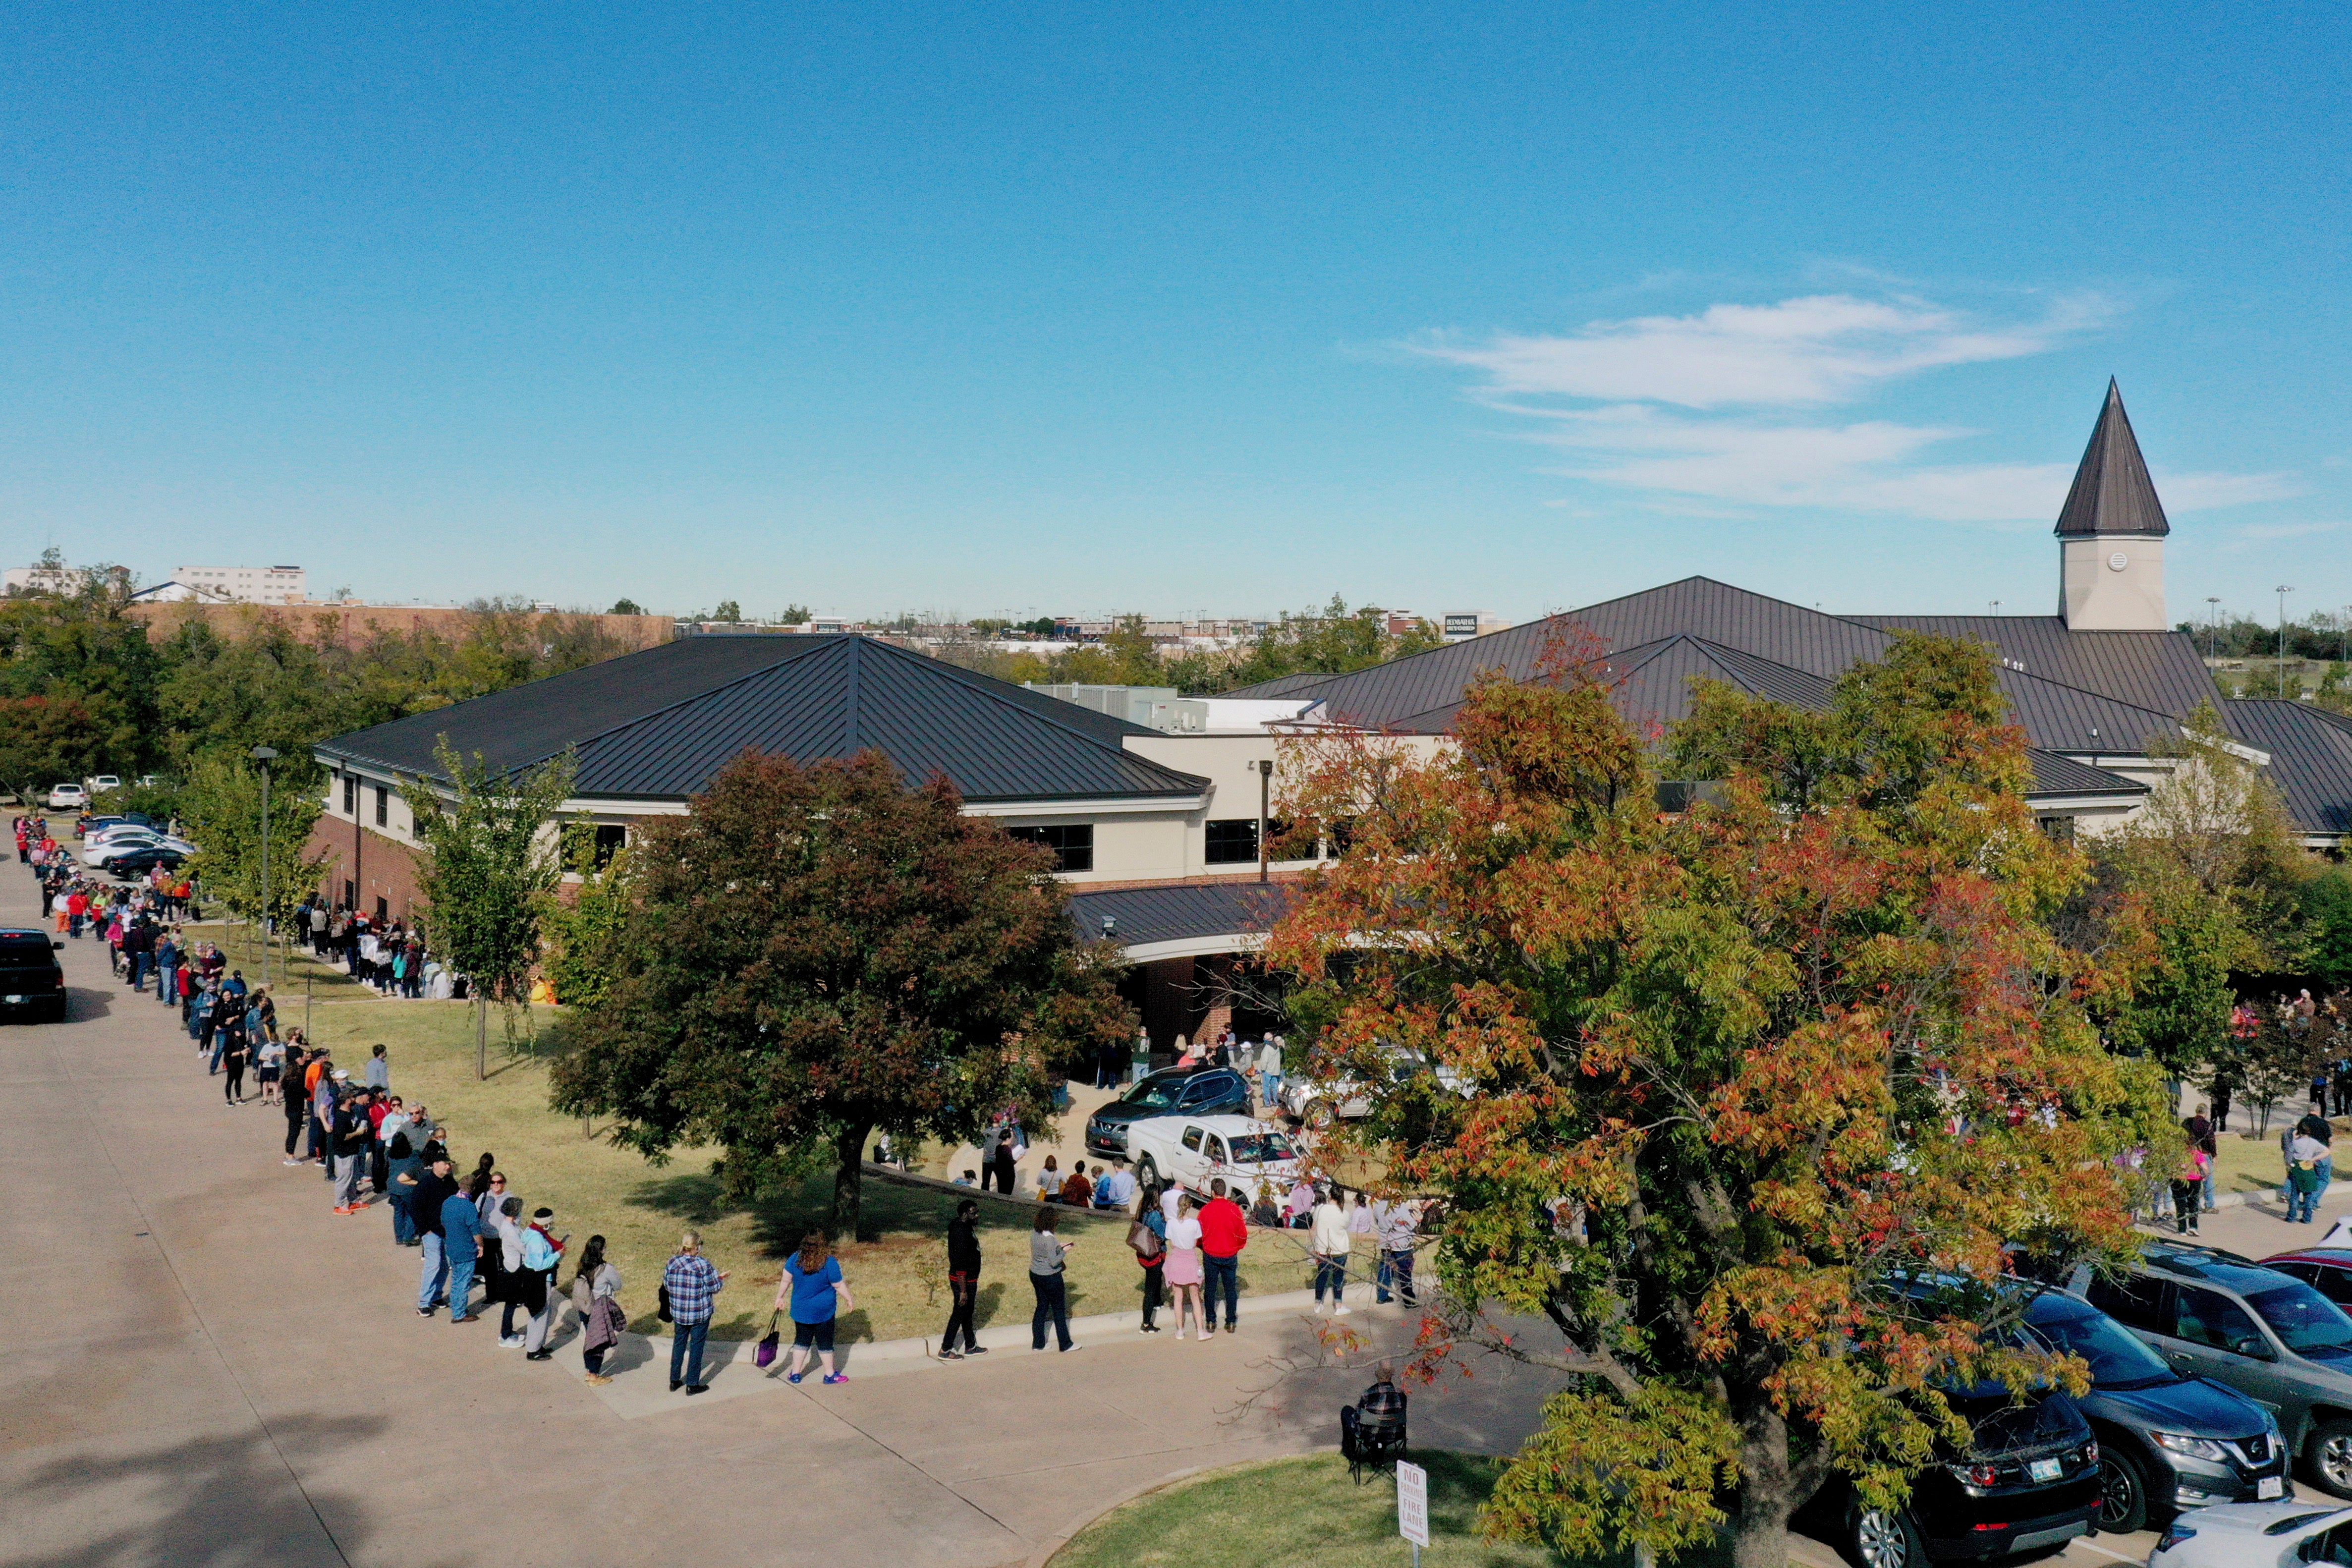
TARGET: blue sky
(1084,308)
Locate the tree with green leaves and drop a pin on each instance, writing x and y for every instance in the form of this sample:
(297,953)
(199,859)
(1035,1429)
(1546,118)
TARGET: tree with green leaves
(583,918)
(45,741)
(222,806)
(491,856)
(1719,1084)
(816,952)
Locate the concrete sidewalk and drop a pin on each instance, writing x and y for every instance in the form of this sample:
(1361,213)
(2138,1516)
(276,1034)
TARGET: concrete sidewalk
(209,1367)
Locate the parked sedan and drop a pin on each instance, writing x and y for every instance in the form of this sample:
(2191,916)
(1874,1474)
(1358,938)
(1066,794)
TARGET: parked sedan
(2269,1335)
(139,862)
(113,848)
(2256,1535)
(2029,1480)
(2166,1441)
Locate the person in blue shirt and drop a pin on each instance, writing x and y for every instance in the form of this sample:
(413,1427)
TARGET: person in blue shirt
(461,1245)
(815,1291)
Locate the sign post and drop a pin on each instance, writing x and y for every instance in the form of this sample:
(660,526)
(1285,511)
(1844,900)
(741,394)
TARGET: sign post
(1412,1507)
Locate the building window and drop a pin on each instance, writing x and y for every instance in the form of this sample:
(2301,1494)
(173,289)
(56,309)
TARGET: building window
(1233,842)
(1073,846)
(382,911)
(610,841)
(351,797)
(2061,828)
(350,894)
(382,806)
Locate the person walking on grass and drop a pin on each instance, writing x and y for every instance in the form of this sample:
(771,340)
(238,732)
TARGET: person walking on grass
(694,1283)
(1184,1272)
(1330,1243)
(964,1281)
(1047,1254)
(814,1293)
(595,1292)
(1224,1231)
(379,1071)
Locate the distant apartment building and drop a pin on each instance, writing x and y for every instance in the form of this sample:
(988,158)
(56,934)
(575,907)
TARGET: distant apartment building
(247,584)
(40,580)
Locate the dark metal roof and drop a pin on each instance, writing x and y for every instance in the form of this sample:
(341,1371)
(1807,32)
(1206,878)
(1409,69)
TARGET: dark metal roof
(2112,491)
(2055,775)
(660,729)
(1147,915)
(2159,671)
(2311,758)
(2127,686)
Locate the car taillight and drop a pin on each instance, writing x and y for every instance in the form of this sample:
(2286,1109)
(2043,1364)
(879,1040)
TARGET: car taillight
(2091,1452)
(1977,1475)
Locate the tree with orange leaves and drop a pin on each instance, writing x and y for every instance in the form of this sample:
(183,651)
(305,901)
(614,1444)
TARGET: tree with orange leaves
(1734,1077)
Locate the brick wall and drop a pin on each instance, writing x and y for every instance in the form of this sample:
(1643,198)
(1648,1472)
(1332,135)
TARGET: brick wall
(364,866)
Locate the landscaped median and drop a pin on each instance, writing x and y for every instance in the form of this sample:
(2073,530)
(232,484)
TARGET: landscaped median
(899,1279)
(1307,1513)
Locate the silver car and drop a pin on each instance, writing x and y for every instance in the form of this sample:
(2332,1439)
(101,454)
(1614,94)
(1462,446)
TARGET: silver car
(2268,1335)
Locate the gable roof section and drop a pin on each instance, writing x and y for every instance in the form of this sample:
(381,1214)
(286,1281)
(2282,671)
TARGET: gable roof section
(2311,758)
(660,731)
(2057,776)
(2161,670)
(2112,492)
(1194,913)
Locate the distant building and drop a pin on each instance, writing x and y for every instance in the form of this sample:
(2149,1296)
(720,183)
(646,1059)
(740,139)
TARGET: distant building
(40,580)
(1461,625)
(179,592)
(247,584)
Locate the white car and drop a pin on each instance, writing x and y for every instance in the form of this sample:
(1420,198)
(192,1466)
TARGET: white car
(1318,1103)
(1193,1151)
(68,796)
(116,846)
(101,784)
(2256,1535)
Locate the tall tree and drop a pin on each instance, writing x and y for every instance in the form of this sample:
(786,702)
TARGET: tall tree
(226,813)
(45,741)
(492,857)
(1730,1075)
(816,952)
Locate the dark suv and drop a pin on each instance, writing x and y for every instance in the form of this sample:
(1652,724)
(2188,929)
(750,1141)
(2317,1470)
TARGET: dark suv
(1174,1091)
(2029,1479)
(2265,1333)
(32,982)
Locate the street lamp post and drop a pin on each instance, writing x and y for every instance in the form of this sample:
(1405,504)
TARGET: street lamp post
(2284,590)
(1264,793)
(2212,626)
(265,756)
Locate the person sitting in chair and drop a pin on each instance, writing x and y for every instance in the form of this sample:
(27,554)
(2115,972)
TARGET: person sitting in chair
(1377,1420)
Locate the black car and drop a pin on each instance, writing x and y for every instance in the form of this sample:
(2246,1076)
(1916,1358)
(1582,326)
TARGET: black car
(2029,1480)
(2166,1441)
(1175,1091)
(32,981)
(139,862)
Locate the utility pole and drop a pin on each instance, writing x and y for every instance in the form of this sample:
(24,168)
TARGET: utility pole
(2284,590)
(265,756)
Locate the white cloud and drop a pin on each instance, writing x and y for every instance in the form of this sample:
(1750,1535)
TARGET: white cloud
(1823,348)
(1705,410)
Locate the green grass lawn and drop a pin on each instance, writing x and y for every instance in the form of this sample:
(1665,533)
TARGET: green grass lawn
(641,1208)
(2254,1164)
(1305,1513)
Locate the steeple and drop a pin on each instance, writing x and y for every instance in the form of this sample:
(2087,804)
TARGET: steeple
(2113,493)
(2111,534)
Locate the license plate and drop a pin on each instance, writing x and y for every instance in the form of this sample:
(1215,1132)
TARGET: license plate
(2045,1469)
(15,1001)
(2271,1487)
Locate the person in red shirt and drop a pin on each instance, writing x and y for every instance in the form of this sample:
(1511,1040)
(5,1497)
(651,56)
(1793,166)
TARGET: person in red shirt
(1224,1231)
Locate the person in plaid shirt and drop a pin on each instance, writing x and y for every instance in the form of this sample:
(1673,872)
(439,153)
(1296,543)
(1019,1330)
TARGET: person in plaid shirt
(694,1283)
(1383,1406)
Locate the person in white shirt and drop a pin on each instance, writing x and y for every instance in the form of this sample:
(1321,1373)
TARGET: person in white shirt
(1270,1074)
(1330,1243)
(1182,1270)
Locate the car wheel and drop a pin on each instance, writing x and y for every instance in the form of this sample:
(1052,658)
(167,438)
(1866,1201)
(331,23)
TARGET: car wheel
(1881,1539)
(1147,1172)
(2123,1492)
(1320,1116)
(2330,1456)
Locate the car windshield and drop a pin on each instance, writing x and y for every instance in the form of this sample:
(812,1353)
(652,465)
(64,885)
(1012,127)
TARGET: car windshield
(1259,1148)
(2302,1318)
(2116,1356)
(1157,1093)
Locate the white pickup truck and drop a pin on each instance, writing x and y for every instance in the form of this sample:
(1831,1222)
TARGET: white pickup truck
(1193,1151)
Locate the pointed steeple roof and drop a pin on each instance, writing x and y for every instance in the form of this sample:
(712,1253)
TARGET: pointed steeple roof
(2112,493)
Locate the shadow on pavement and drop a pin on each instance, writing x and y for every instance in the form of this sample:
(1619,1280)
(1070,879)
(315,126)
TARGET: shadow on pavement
(83,1002)
(209,1502)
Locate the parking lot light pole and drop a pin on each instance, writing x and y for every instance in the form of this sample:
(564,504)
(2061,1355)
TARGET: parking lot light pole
(265,756)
